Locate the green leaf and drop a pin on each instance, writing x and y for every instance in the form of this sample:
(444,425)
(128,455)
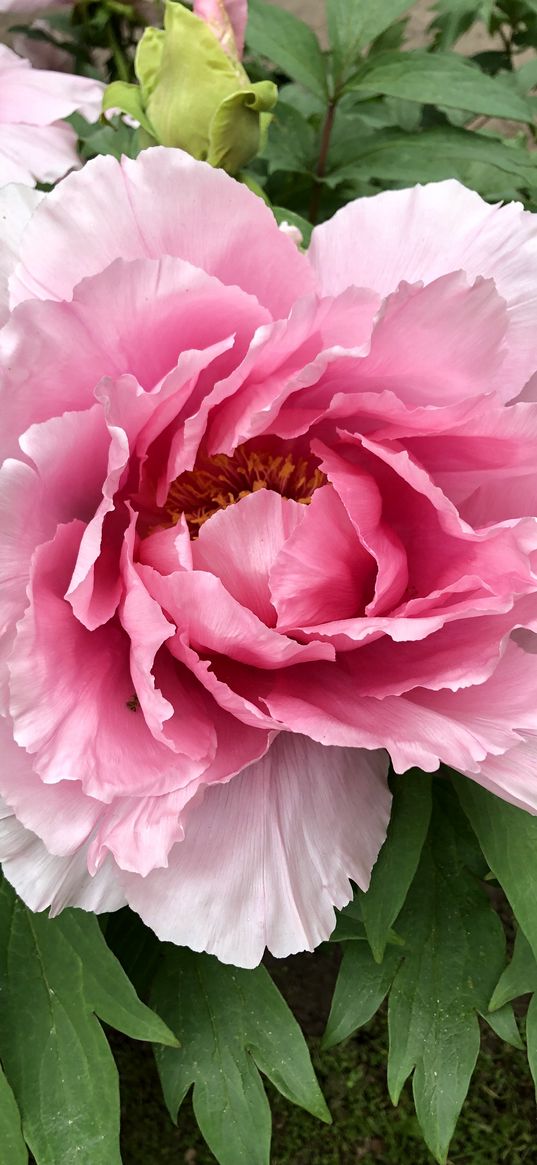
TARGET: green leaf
(454,18)
(442,79)
(508,838)
(230,1023)
(353,24)
(484,163)
(519,977)
(455,952)
(291,142)
(12,1148)
(531,1038)
(54,973)
(361,986)
(398,859)
(504,1024)
(289,43)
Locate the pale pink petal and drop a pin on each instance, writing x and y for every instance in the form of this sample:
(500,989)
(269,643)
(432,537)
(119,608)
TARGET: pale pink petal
(133,209)
(42,879)
(17,204)
(438,344)
(256,527)
(39,97)
(140,832)
(513,776)
(322,572)
(30,154)
(428,231)
(61,815)
(267,857)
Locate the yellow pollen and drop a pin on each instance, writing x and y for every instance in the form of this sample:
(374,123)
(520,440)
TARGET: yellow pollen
(219,481)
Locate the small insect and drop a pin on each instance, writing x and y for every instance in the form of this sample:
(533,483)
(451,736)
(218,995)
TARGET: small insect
(133,703)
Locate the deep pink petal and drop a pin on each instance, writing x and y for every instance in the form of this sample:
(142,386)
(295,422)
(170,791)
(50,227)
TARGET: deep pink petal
(362,499)
(322,572)
(73,698)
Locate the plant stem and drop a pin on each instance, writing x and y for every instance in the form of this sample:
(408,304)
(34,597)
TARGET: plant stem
(120,60)
(321,164)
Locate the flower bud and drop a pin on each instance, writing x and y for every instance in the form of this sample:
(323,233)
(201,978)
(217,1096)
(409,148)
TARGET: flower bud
(194,93)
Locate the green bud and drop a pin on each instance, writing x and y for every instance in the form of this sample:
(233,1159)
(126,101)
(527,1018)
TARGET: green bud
(193,95)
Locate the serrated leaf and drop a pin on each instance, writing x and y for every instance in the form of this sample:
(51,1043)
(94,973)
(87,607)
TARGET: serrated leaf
(106,986)
(508,838)
(287,42)
(54,973)
(232,1024)
(481,161)
(455,952)
(504,1024)
(361,986)
(398,859)
(441,79)
(12,1148)
(353,24)
(519,977)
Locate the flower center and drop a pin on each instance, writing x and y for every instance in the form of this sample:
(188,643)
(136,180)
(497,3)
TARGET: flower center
(219,481)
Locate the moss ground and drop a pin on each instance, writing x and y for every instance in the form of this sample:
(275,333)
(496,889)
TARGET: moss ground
(498,1125)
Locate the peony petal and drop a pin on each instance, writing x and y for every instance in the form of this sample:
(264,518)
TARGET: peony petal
(72,696)
(143,318)
(322,572)
(43,880)
(17,204)
(256,528)
(159,204)
(422,728)
(400,239)
(61,815)
(267,857)
(36,153)
(39,97)
(140,832)
(214,622)
(362,499)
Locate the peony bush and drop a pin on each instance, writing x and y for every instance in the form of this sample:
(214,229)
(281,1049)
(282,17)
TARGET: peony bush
(268,569)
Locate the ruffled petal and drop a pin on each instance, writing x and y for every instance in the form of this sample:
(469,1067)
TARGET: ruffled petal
(159,204)
(267,857)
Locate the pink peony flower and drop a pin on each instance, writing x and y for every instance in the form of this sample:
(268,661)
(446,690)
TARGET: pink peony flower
(267,520)
(35,145)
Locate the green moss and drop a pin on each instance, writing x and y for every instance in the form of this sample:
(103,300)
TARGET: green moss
(497,1125)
